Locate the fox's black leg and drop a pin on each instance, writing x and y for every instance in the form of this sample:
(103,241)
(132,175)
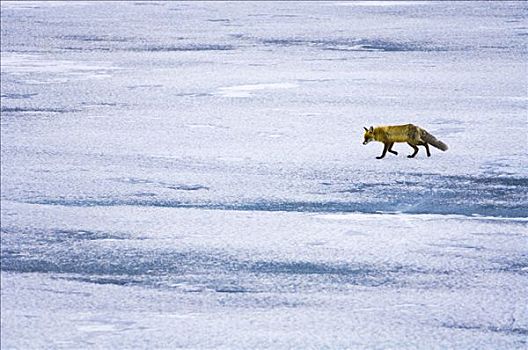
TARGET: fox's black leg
(427,149)
(385,148)
(415,150)
(390,149)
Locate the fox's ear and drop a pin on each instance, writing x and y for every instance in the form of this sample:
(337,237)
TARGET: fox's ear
(371,129)
(365,129)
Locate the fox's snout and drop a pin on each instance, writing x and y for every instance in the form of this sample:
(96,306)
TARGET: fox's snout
(366,141)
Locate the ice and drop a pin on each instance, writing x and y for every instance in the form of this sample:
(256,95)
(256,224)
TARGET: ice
(245,279)
(25,5)
(381,3)
(20,64)
(246,90)
(51,70)
(192,175)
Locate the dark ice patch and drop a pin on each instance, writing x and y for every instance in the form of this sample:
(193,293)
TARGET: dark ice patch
(355,44)
(310,268)
(7,109)
(144,86)
(182,48)
(514,264)
(15,96)
(420,193)
(172,186)
(187,187)
(230,289)
(285,16)
(113,280)
(104,263)
(95,38)
(145,194)
(104,104)
(149,3)
(59,235)
(203,270)
(69,235)
(511,329)
(393,204)
(122,263)
(91,49)
(191,94)
(518,183)
(460,246)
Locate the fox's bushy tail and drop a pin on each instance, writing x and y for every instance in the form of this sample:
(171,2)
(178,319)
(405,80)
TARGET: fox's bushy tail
(433,141)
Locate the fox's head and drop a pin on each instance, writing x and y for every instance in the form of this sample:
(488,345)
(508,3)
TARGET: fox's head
(369,135)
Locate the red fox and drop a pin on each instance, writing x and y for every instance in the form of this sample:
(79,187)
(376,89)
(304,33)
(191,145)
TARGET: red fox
(412,134)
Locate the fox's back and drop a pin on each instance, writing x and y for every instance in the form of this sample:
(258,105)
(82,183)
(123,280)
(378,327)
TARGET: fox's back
(397,133)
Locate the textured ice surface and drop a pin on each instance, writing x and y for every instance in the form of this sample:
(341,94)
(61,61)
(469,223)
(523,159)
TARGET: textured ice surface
(192,175)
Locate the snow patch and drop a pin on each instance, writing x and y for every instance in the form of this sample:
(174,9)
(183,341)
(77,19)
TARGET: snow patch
(247,90)
(58,71)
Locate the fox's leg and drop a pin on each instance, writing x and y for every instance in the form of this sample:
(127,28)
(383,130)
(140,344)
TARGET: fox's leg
(426,145)
(415,150)
(385,148)
(390,149)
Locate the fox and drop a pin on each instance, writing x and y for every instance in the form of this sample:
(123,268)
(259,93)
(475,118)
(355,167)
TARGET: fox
(410,133)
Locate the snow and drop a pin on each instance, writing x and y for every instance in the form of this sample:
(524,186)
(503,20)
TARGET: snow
(192,175)
(246,90)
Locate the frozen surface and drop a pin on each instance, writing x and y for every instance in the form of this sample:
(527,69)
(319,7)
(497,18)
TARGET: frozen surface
(192,175)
